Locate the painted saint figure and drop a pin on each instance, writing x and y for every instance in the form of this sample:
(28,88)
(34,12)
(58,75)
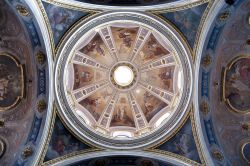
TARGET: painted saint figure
(238,84)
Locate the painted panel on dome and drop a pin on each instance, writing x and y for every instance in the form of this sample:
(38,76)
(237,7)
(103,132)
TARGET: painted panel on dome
(162,78)
(61,19)
(237,84)
(149,104)
(84,76)
(187,21)
(97,50)
(183,143)
(97,102)
(62,142)
(11,82)
(125,40)
(122,115)
(151,50)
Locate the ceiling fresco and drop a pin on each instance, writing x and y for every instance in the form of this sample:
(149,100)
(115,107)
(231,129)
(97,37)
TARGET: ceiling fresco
(23,84)
(224,86)
(124,83)
(62,142)
(183,143)
(61,19)
(187,21)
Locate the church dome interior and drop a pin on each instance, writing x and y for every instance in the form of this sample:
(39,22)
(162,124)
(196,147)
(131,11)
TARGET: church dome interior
(124,82)
(123,79)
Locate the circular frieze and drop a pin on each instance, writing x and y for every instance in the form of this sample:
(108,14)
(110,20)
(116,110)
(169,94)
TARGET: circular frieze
(123,75)
(123,80)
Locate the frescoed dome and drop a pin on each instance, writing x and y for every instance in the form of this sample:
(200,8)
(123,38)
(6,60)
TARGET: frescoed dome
(123,79)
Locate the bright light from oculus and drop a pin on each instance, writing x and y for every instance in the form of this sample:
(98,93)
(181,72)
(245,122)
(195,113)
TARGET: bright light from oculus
(123,75)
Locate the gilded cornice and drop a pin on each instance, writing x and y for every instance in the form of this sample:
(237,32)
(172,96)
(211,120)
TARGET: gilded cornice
(69,6)
(94,153)
(182,7)
(68,156)
(170,154)
(47,23)
(51,127)
(201,29)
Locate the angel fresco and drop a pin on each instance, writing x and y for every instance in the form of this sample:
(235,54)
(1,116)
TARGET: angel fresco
(91,104)
(95,45)
(237,84)
(152,105)
(151,50)
(83,76)
(124,38)
(97,49)
(96,102)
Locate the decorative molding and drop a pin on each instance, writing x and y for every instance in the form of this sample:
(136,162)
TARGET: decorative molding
(182,7)
(212,13)
(39,13)
(69,156)
(48,138)
(167,154)
(201,27)
(95,153)
(72,6)
(166,7)
(196,138)
(48,26)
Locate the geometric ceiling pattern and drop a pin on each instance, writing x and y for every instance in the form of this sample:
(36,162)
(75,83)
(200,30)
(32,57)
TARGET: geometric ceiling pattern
(89,82)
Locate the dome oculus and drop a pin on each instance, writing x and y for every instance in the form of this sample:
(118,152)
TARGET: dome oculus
(123,75)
